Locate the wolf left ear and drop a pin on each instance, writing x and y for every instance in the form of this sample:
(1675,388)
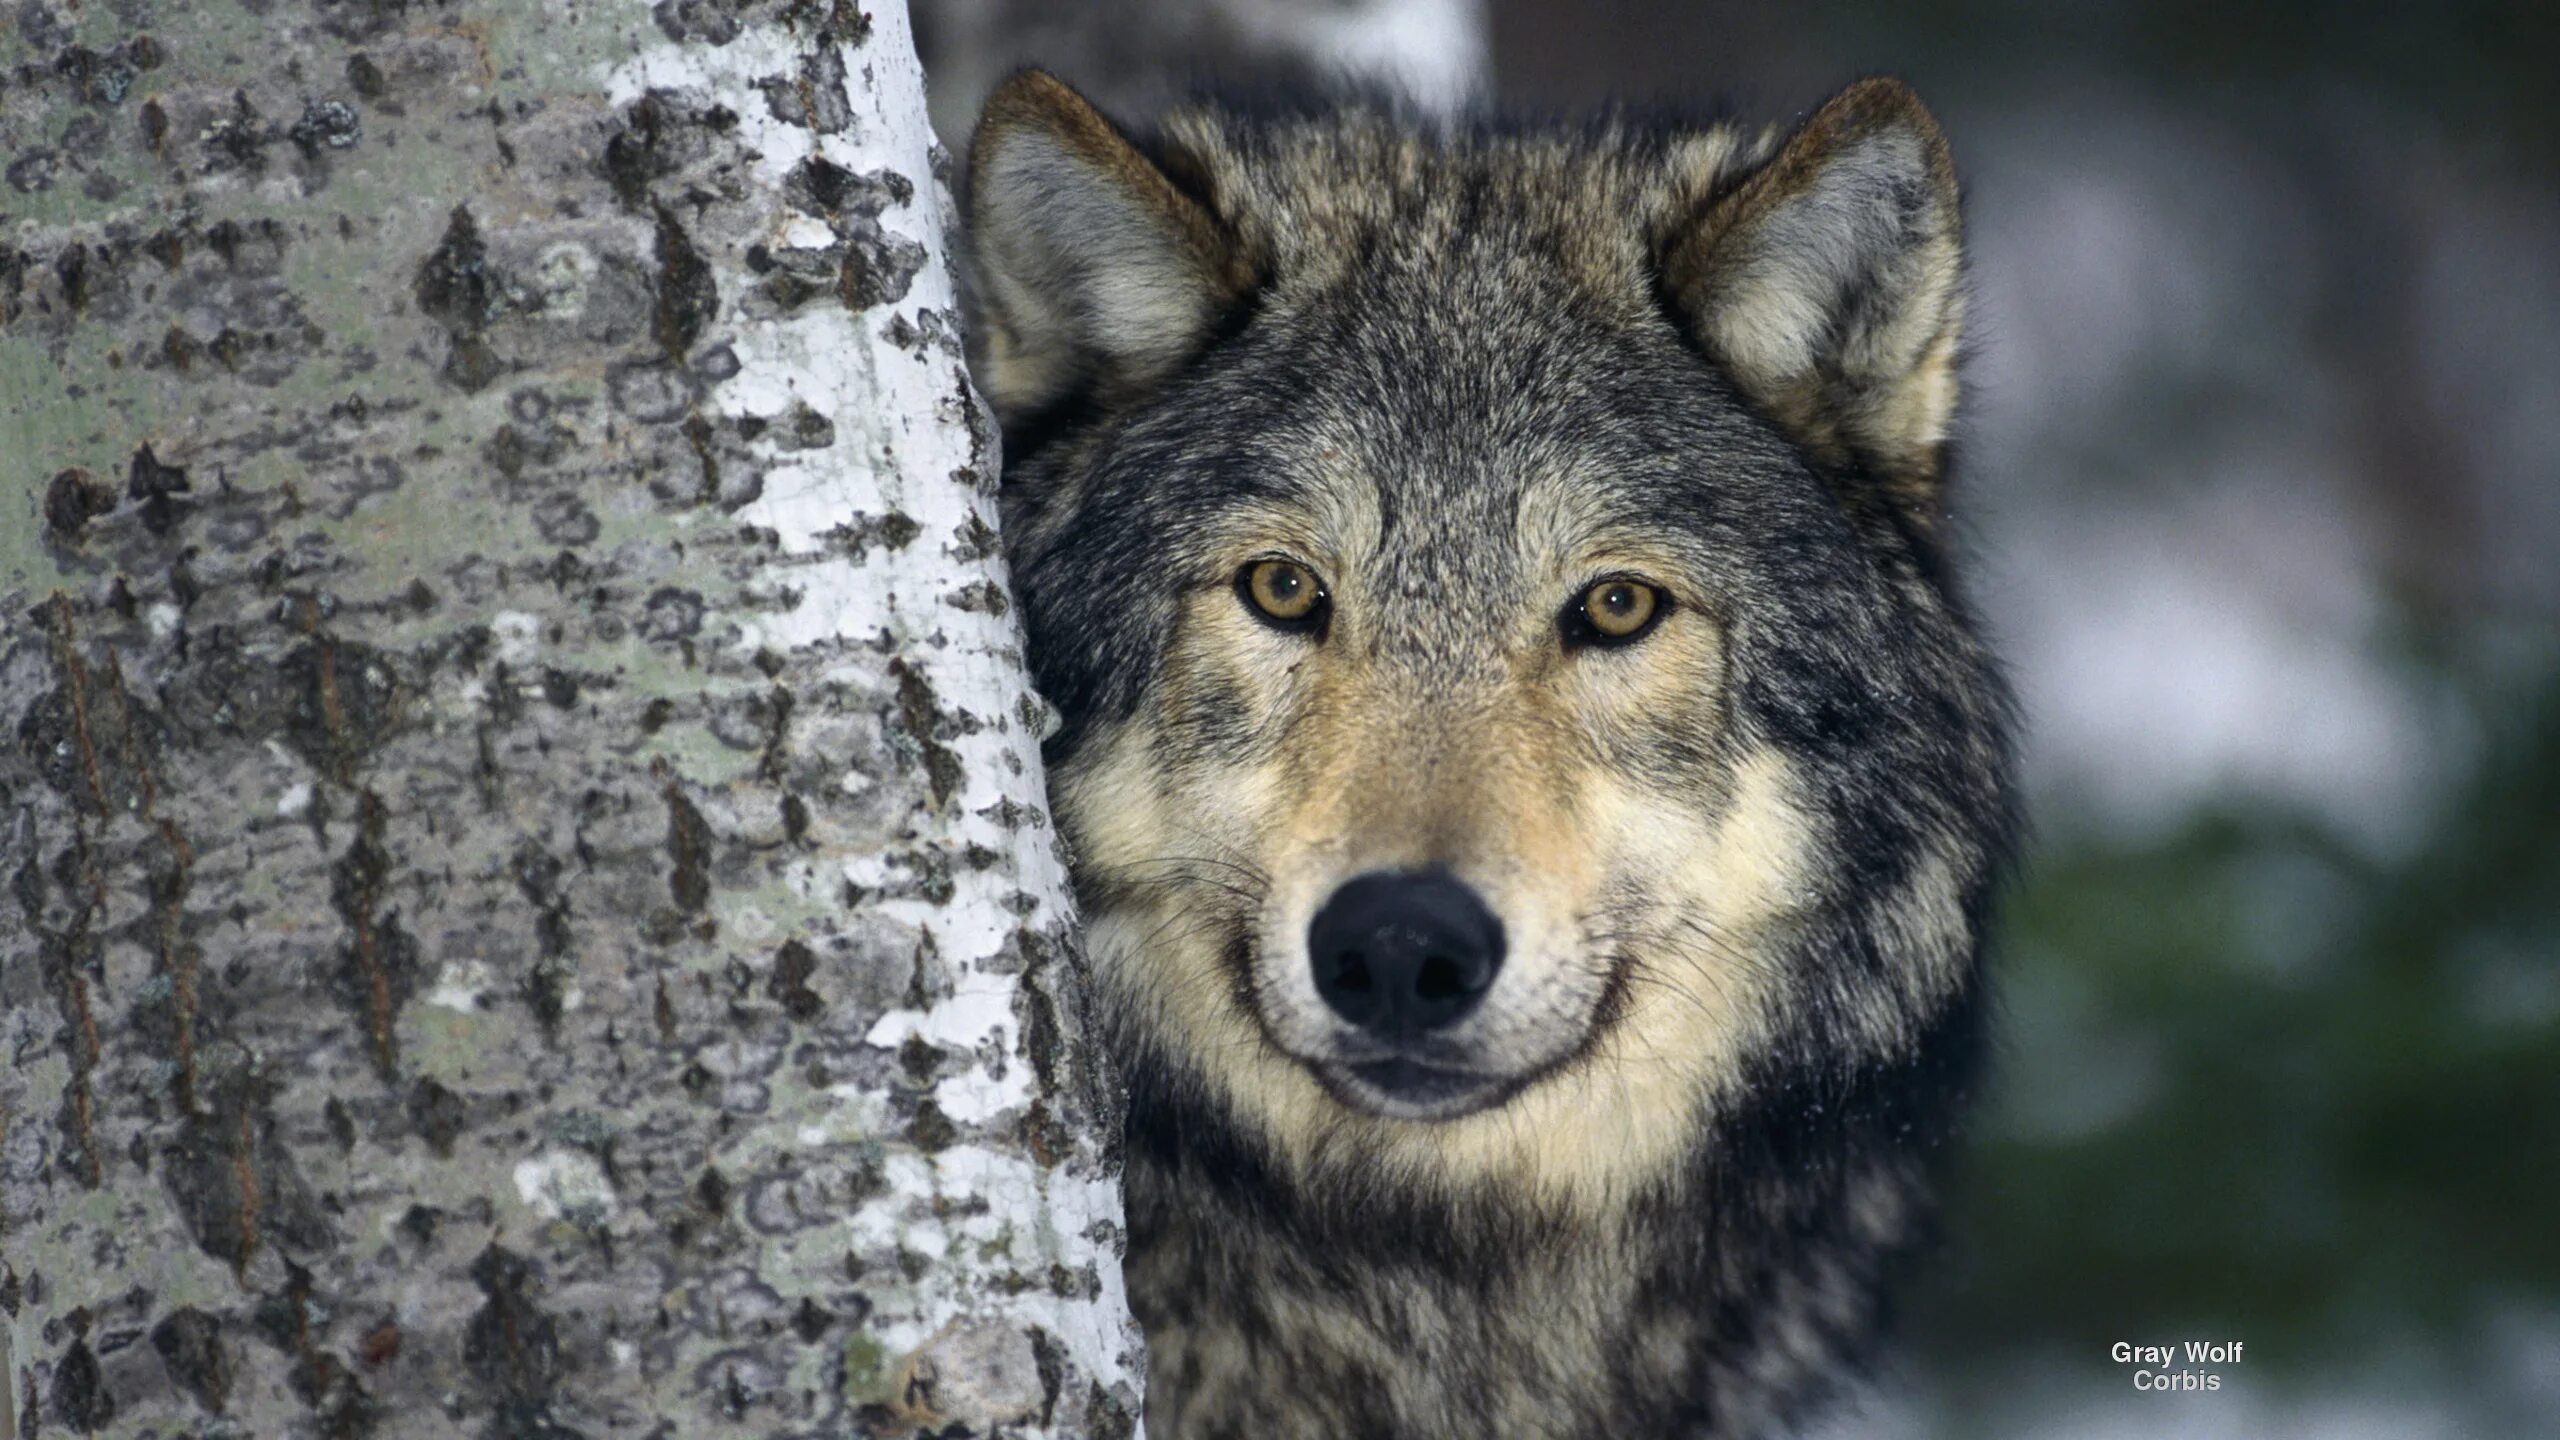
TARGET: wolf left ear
(1094,270)
(1828,283)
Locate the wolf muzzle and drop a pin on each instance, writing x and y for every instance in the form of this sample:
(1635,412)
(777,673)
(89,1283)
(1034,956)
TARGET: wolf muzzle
(1401,955)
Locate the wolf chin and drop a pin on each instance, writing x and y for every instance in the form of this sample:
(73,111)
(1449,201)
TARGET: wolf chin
(1534,786)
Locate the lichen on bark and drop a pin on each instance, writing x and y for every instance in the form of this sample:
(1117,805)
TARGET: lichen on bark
(526,905)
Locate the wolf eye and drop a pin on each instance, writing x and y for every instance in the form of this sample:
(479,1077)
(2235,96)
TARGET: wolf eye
(1284,593)
(1613,612)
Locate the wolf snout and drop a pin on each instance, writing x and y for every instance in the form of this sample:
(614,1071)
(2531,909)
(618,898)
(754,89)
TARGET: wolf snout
(1402,953)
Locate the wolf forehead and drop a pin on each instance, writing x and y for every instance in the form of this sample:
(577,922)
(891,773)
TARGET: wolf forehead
(1443,316)
(1456,461)
(1452,212)
(1445,324)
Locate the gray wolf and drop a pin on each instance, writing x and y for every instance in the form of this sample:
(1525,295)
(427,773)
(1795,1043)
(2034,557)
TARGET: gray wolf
(1534,785)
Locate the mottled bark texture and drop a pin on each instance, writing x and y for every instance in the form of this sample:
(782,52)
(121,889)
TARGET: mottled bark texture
(526,903)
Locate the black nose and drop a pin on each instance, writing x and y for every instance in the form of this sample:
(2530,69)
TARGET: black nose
(1400,953)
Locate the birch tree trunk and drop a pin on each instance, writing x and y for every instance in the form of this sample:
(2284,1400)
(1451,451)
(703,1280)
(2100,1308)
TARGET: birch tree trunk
(529,909)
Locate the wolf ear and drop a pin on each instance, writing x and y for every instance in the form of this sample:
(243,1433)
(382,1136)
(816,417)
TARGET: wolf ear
(1094,270)
(1828,283)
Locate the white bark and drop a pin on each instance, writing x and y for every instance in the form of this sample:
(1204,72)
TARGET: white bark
(531,909)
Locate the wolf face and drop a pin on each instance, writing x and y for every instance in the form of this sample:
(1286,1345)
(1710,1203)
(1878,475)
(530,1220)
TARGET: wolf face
(1520,745)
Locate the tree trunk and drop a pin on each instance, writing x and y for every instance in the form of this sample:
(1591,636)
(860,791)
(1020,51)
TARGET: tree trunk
(529,908)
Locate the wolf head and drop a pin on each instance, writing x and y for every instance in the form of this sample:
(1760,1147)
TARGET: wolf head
(1515,706)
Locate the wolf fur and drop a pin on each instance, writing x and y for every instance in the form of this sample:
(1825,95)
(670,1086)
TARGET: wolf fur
(1743,864)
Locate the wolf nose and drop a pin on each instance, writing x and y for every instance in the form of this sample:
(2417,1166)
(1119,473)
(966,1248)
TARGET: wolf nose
(1399,953)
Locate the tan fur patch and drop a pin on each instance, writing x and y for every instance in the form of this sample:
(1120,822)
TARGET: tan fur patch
(1609,1121)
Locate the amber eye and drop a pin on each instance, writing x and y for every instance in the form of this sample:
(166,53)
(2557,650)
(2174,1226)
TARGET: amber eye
(1614,612)
(1284,593)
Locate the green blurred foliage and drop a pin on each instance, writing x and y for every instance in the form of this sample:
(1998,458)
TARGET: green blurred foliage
(2256,1086)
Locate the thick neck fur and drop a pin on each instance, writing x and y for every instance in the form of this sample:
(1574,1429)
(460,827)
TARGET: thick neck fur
(1730,1299)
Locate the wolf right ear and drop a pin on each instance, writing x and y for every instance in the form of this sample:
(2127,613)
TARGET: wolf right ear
(1828,282)
(1094,270)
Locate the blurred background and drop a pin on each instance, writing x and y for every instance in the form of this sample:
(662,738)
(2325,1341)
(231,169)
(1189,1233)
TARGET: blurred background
(2263,473)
